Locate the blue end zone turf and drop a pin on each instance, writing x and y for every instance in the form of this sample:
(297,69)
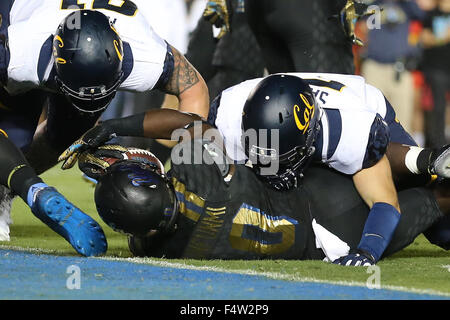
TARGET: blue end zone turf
(39,276)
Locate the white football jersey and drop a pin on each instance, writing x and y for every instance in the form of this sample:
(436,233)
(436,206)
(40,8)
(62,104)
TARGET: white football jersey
(162,14)
(33,24)
(349,107)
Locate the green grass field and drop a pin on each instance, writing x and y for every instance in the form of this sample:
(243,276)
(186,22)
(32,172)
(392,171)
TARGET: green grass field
(421,267)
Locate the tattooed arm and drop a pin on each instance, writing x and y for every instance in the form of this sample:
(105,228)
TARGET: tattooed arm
(188,86)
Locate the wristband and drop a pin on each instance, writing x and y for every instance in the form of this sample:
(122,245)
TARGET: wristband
(129,126)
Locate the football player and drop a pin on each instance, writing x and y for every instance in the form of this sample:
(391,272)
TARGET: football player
(72,56)
(308,36)
(294,35)
(336,120)
(231,58)
(219,210)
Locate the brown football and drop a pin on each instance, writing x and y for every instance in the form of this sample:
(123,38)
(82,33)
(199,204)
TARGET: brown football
(140,155)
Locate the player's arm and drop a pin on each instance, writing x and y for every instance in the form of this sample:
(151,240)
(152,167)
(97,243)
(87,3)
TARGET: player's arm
(376,187)
(155,123)
(186,83)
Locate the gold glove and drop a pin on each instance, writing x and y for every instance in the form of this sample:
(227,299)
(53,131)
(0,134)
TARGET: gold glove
(217,13)
(350,14)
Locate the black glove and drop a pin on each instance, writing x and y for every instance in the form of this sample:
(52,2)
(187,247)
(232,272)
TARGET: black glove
(356,257)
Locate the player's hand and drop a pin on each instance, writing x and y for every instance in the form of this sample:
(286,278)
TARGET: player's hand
(91,140)
(94,163)
(217,13)
(350,14)
(356,258)
(439,163)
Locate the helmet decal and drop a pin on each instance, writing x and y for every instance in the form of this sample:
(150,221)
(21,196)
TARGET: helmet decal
(60,40)
(119,49)
(60,61)
(308,113)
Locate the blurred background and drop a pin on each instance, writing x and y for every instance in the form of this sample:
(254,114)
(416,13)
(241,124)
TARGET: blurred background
(406,53)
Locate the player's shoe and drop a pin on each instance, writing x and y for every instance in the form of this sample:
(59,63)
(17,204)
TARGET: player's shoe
(80,230)
(4,231)
(440,162)
(6,199)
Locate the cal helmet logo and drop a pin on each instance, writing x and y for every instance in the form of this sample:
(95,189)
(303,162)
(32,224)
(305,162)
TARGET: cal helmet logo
(118,45)
(60,43)
(302,122)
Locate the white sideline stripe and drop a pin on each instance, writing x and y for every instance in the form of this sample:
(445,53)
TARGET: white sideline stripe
(272,275)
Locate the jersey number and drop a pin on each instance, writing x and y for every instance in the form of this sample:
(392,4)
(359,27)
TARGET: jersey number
(326,84)
(125,7)
(253,230)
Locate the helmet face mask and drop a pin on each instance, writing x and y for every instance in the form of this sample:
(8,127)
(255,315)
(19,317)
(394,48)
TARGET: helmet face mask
(289,169)
(286,104)
(88,60)
(90,99)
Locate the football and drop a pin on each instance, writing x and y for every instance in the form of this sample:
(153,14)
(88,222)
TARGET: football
(140,155)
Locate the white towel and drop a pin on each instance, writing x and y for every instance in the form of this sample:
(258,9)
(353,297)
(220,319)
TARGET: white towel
(331,245)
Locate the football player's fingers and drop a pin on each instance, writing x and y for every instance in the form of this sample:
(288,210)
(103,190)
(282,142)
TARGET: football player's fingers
(368,12)
(111,151)
(91,159)
(113,147)
(210,13)
(92,166)
(212,17)
(75,147)
(70,161)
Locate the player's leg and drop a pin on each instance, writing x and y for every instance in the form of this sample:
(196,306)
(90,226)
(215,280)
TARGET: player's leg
(435,120)
(301,36)
(316,42)
(439,232)
(344,214)
(64,125)
(18,117)
(274,50)
(81,231)
(6,199)
(420,211)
